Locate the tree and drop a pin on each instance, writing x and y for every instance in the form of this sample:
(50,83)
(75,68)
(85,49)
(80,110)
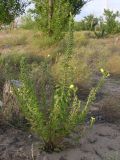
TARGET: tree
(10,9)
(50,14)
(76,5)
(88,23)
(112,25)
(53,15)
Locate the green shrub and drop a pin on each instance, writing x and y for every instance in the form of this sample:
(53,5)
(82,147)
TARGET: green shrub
(29,23)
(53,120)
(10,64)
(87,24)
(112,25)
(63,115)
(101,26)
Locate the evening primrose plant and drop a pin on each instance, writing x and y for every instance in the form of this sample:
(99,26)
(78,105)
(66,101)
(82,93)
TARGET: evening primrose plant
(65,111)
(64,114)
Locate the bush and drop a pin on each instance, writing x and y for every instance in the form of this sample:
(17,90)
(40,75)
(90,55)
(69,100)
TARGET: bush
(10,67)
(112,25)
(10,63)
(53,120)
(29,23)
(64,113)
(87,24)
(101,26)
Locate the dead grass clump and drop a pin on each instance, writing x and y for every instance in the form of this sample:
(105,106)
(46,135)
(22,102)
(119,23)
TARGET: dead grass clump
(110,109)
(16,40)
(113,65)
(41,41)
(89,34)
(81,39)
(82,72)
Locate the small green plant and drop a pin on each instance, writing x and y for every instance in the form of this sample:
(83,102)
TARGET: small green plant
(100,34)
(62,117)
(53,123)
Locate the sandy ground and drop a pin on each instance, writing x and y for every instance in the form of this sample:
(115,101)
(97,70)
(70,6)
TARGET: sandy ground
(100,143)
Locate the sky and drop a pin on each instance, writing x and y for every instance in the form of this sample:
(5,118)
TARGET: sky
(96,7)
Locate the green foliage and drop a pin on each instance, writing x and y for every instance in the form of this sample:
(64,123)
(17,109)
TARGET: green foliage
(88,23)
(54,22)
(53,16)
(80,26)
(64,114)
(101,26)
(76,5)
(10,9)
(28,22)
(99,31)
(99,34)
(65,111)
(10,64)
(112,25)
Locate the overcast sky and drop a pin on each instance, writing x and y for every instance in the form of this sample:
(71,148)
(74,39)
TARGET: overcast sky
(96,7)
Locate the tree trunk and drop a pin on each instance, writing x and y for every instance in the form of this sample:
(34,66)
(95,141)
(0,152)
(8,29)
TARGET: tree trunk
(50,16)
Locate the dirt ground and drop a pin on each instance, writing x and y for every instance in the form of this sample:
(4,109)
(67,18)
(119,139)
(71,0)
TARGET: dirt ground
(100,143)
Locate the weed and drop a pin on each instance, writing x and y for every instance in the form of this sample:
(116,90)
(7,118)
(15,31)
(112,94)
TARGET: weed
(64,113)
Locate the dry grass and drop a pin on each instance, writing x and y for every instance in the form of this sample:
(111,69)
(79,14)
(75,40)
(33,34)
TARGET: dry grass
(90,53)
(81,39)
(113,64)
(81,71)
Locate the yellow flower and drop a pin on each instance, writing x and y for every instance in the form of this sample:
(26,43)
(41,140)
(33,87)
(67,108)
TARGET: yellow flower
(48,55)
(92,121)
(71,86)
(105,73)
(102,70)
(11,91)
(92,118)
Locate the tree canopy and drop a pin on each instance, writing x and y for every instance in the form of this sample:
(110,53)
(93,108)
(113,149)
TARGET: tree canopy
(76,5)
(10,9)
(53,15)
